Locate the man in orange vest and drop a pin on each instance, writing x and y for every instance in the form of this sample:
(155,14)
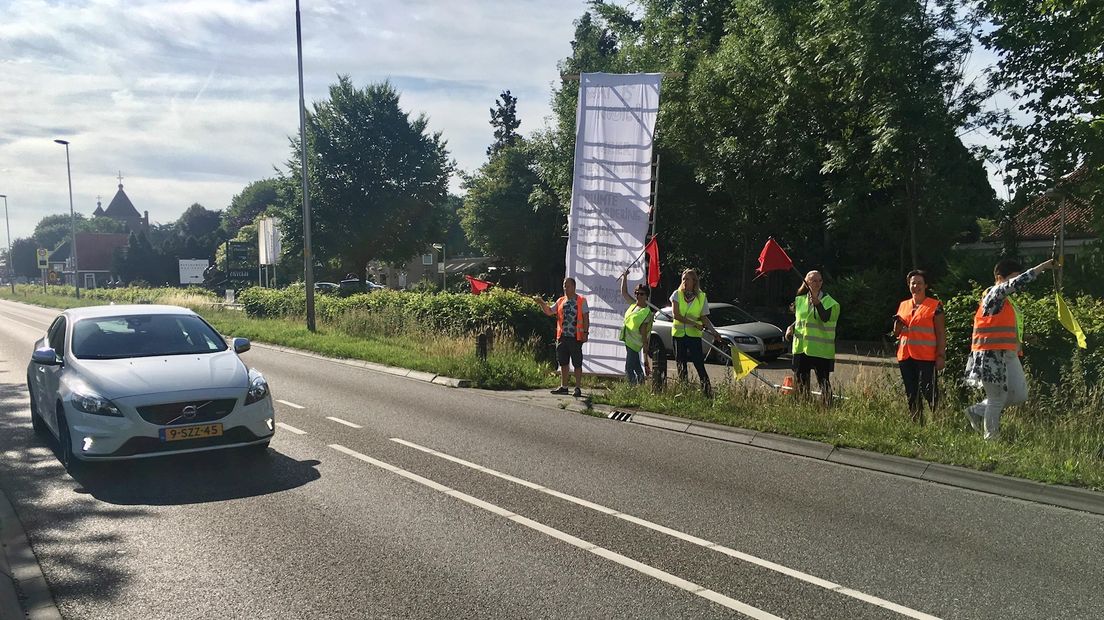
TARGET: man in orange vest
(572,329)
(922,343)
(996,345)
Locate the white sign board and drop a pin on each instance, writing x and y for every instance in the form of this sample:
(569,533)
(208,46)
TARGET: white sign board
(191,270)
(610,198)
(268,241)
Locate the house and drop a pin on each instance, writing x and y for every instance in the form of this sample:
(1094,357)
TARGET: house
(96,251)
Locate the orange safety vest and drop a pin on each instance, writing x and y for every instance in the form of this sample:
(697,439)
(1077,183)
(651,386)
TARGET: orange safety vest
(997,332)
(578,317)
(917,340)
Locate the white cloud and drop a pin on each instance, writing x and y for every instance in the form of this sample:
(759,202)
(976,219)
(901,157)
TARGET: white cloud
(193,99)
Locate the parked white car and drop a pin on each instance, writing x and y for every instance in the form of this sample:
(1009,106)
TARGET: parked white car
(129,381)
(760,340)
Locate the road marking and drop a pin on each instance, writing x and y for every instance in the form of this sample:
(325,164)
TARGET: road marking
(290,428)
(292,405)
(613,556)
(345,422)
(739,555)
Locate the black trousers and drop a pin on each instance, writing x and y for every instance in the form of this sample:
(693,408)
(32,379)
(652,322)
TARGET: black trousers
(919,379)
(689,349)
(804,365)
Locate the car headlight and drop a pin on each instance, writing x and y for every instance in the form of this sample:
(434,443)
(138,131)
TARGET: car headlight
(91,402)
(258,387)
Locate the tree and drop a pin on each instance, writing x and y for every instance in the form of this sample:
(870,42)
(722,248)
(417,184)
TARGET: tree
(255,199)
(198,222)
(25,257)
(1052,66)
(378,179)
(52,230)
(505,122)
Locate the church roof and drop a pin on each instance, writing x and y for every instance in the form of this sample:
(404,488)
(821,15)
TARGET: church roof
(99,211)
(121,208)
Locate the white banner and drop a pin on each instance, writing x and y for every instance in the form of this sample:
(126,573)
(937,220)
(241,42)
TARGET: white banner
(610,198)
(268,241)
(191,270)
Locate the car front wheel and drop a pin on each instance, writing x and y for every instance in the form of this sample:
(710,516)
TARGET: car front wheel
(37,423)
(65,443)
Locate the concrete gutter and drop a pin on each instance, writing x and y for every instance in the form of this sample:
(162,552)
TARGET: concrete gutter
(24,592)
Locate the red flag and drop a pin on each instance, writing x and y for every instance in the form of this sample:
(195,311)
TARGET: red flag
(773,258)
(477,285)
(652,250)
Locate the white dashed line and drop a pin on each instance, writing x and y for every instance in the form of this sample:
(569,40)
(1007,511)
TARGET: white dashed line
(345,422)
(651,571)
(292,405)
(751,559)
(291,429)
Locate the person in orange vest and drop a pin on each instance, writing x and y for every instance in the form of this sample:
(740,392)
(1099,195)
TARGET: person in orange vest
(996,345)
(920,328)
(572,330)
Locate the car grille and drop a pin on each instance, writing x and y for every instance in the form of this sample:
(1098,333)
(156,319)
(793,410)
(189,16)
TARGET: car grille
(171,414)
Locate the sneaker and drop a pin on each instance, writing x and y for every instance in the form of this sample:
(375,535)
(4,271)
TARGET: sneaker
(560,390)
(975,419)
(577,392)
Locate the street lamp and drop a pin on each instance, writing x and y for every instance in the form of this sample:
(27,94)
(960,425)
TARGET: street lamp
(72,218)
(308,260)
(441,246)
(7,223)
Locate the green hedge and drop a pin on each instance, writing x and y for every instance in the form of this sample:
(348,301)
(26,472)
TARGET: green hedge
(499,311)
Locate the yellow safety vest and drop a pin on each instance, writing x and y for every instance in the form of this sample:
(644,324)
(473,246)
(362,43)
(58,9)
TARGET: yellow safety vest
(812,336)
(690,311)
(635,317)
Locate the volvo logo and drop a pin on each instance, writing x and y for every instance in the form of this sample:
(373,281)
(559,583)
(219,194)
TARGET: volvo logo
(188,412)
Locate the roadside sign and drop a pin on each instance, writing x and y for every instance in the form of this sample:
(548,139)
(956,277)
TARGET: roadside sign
(43,258)
(191,270)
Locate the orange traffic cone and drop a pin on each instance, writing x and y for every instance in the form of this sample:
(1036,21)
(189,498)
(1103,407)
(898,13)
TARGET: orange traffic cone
(787,385)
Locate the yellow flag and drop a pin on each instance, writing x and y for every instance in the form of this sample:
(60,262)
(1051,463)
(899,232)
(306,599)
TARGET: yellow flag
(1065,317)
(742,364)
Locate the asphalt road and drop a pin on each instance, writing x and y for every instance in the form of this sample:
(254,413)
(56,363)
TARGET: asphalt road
(489,507)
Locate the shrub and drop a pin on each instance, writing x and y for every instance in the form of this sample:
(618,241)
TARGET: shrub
(868,299)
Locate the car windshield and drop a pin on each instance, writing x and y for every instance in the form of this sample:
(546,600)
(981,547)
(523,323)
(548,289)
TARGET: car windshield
(728,315)
(143,335)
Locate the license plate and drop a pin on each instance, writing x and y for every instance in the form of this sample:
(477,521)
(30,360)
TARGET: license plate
(191,432)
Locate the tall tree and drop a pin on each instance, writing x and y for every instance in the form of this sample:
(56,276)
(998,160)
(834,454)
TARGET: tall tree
(505,121)
(378,179)
(255,199)
(25,257)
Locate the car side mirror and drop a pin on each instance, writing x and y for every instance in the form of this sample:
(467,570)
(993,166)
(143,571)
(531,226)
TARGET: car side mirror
(241,345)
(46,357)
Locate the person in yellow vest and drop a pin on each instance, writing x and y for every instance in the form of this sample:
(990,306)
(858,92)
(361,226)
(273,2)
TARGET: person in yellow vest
(920,328)
(572,329)
(814,335)
(691,309)
(996,346)
(636,330)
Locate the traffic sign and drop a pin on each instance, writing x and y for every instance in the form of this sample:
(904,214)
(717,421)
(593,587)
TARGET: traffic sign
(43,258)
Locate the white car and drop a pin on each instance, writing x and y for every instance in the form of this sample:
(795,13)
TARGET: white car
(758,339)
(129,381)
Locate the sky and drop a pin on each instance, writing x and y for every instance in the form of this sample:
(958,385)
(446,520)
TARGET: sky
(192,100)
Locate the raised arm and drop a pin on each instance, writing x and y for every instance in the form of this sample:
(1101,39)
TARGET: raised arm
(625,288)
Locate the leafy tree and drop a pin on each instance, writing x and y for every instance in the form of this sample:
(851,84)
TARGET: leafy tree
(198,222)
(1052,66)
(25,257)
(505,122)
(255,199)
(378,179)
(139,261)
(52,230)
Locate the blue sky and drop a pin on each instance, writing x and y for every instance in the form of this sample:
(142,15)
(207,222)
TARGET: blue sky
(194,99)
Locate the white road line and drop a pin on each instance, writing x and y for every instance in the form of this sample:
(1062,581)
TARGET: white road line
(651,571)
(751,559)
(292,405)
(291,429)
(345,422)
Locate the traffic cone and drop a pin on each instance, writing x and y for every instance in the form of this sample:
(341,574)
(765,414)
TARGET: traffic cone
(787,385)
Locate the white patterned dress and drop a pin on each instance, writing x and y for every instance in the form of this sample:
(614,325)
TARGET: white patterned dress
(989,366)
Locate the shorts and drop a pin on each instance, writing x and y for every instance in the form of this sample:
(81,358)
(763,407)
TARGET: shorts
(569,350)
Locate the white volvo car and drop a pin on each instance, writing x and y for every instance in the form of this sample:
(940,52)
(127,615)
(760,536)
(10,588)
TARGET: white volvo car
(120,382)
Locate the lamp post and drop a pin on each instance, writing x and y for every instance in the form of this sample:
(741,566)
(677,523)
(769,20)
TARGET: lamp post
(72,218)
(308,260)
(441,246)
(7,223)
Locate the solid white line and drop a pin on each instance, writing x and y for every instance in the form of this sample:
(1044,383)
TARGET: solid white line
(290,428)
(739,555)
(292,405)
(640,567)
(345,422)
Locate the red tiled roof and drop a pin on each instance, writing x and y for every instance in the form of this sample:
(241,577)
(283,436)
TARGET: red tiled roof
(95,251)
(1040,219)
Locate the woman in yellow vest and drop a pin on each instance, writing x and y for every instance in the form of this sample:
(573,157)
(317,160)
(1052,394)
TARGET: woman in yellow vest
(636,330)
(691,320)
(996,345)
(921,330)
(814,335)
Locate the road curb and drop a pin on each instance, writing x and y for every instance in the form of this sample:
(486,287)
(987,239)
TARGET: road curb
(1073,498)
(417,375)
(24,592)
